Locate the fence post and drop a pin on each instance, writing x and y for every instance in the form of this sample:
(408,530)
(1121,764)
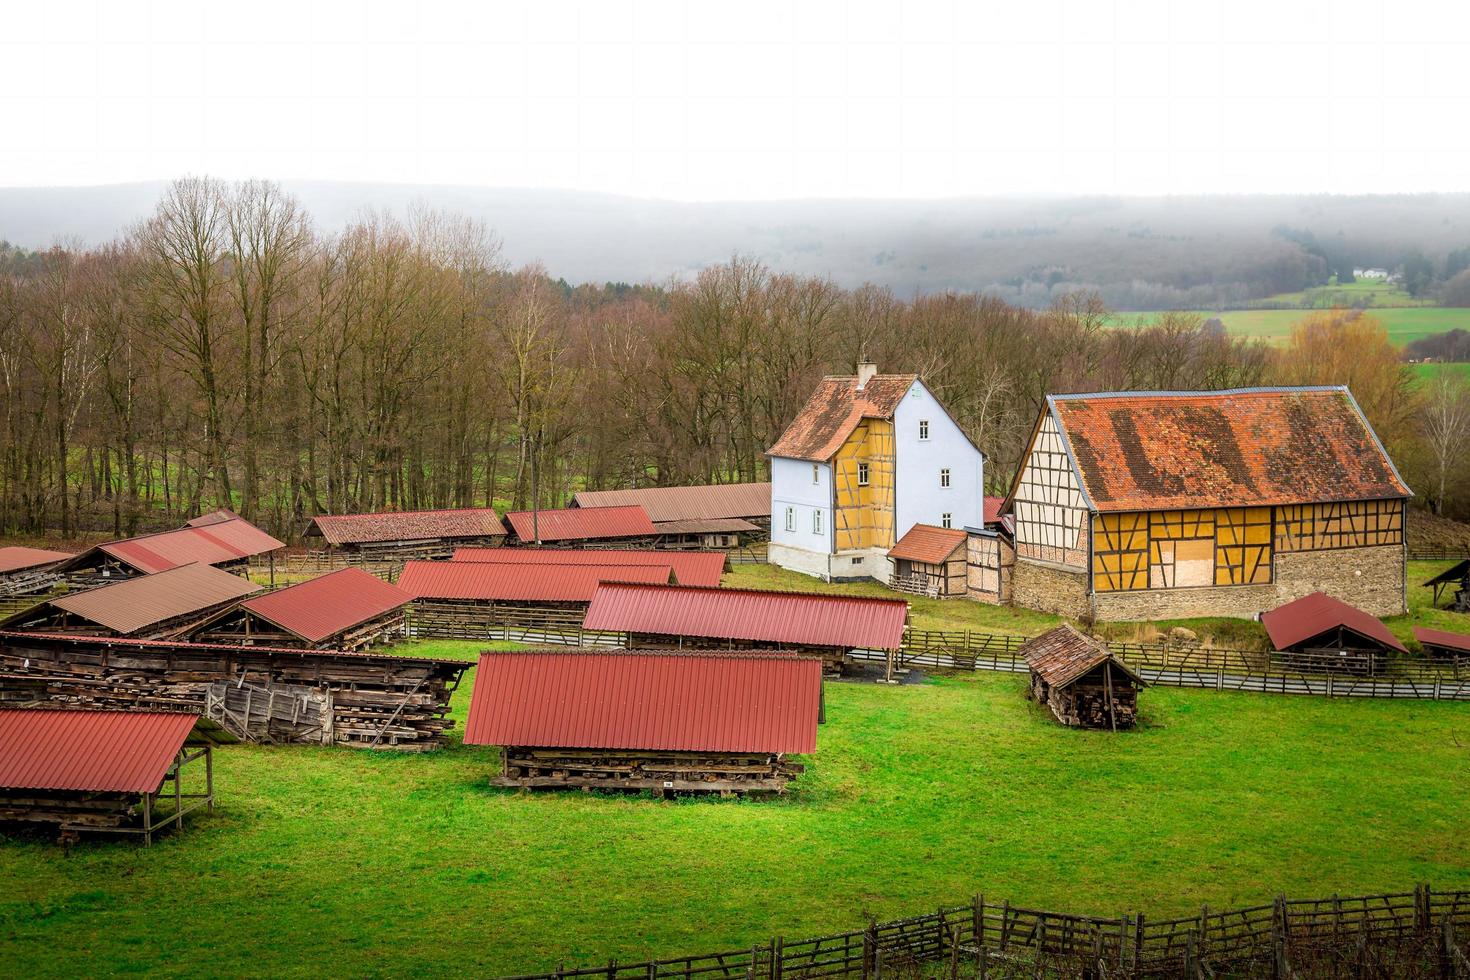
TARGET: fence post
(1137,941)
(870,947)
(977,923)
(778,951)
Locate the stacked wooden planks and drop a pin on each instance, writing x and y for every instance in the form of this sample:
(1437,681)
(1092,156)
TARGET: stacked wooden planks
(363,700)
(726,773)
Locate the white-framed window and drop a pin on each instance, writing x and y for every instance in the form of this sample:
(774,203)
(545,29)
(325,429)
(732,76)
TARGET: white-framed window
(944,477)
(862,474)
(791,518)
(946,519)
(816,474)
(816,522)
(923,430)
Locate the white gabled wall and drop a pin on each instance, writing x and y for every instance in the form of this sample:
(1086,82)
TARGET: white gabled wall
(792,486)
(919,497)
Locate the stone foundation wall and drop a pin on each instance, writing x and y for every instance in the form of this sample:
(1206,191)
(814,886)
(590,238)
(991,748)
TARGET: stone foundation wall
(847,566)
(1372,579)
(1049,588)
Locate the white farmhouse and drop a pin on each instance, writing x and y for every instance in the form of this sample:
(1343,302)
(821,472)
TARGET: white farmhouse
(866,459)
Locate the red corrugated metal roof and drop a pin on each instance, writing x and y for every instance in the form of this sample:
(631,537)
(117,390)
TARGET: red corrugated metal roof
(501,582)
(928,544)
(137,603)
(16,559)
(690,567)
(1441,638)
(707,702)
(117,642)
(211,544)
(407,525)
(991,509)
(89,751)
(687,503)
(322,607)
(748,614)
(706,525)
(581,523)
(1312,615)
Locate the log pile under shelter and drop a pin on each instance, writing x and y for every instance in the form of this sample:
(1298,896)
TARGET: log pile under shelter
(26,571)
(1080,680)
(120,772)
(359,700)
(643,720)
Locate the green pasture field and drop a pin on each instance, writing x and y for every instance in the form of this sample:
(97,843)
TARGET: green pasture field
(1403,324)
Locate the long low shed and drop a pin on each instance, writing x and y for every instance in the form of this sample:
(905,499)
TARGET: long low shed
(494,583)
(105,771)
(264,694)
(579,526)
(647,720)
(223,540)
(690,567)
(411,533)
(344,610)
(27,570)
(686,617)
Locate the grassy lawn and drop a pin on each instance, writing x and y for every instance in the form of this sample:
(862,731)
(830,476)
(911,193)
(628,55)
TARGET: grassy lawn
(1403,324)
(922,794)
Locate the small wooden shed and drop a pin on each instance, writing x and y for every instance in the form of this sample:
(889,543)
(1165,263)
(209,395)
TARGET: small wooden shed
(930,561)
(1081,680)
(1443,645)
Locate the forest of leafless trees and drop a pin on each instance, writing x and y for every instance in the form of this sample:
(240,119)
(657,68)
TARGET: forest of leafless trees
(225,353)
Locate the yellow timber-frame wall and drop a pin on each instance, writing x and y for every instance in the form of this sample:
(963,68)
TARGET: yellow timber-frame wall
(1229,545)
(864,508)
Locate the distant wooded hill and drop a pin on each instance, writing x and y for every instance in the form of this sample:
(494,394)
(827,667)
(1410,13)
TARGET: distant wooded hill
(1138,253)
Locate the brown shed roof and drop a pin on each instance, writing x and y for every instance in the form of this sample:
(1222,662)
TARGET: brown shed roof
(1062,656)
(17,559)
(706,525)
(928,544)
(1170,450)
(407,525)
(137,603)
(663,504)
(834,411)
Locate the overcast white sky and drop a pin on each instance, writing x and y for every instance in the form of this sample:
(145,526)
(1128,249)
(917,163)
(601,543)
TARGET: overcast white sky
(743,98)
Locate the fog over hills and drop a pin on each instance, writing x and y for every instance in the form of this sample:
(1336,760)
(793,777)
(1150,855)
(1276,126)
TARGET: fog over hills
(1139,252)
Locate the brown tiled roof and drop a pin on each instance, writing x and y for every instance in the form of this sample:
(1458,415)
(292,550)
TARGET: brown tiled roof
(407,525)
(1239,448)
(928,544)
(686,503)
(1062,655)
(834,410)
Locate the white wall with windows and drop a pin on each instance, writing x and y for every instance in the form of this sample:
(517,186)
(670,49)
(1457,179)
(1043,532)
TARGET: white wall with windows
(938,470)
(801,505)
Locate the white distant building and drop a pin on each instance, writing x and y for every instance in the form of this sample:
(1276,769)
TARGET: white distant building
(1370,273)
(866,459)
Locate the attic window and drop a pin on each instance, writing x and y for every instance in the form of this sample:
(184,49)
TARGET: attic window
(923,430)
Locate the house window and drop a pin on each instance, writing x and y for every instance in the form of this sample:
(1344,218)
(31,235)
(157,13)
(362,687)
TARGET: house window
(791,518)
(816,522)
(923,430)
(944,477)
(946,519)
(862,474)
(816,474)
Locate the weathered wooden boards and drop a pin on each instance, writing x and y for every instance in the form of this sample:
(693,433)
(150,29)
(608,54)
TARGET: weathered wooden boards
(726,773)
(364,700)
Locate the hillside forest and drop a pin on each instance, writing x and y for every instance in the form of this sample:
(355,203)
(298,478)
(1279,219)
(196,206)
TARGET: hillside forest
(224,352)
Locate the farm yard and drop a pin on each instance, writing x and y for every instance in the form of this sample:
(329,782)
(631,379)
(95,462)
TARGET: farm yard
(917,795)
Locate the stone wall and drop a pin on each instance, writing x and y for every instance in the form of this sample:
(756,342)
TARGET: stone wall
(1049,588)
(1372,579)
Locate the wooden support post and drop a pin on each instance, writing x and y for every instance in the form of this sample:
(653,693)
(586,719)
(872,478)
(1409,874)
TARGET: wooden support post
(209,777)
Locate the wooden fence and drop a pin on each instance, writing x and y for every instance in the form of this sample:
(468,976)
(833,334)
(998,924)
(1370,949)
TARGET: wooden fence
(1415,933)
(522,624)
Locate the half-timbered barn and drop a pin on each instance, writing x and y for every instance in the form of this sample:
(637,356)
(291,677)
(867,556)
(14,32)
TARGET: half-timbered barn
(750,502)
(343,610)
(1080,680)
(930,561)
(1443,645)
(692,618)
(990,555)
(155,606)
(1319,631)
(364,699)
(24,571)
(116,772)
(582,527)
(1156,505)
(647,720)
(865,459)
(690,568)
(407,534)
(223,541)
(521,585)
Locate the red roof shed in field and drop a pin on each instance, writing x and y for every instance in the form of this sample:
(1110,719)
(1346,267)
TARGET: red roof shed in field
(17,559)
(392,527)
(795,618)
(148,606)
(221,542)
(1320,620)
(690,567)
(581,524)
(504,582)
(89,751)
(312,612)
(686,702)
(1442,643)
(929,544)
(748,500)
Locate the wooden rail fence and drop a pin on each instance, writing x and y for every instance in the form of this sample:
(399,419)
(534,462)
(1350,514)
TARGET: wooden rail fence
(1421,932)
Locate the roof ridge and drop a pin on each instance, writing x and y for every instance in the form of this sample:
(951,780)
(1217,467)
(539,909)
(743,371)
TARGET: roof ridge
(737,589)
(1196,393)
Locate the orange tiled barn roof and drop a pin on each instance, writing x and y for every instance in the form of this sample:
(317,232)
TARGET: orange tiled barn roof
(1238,448)
(834,411)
